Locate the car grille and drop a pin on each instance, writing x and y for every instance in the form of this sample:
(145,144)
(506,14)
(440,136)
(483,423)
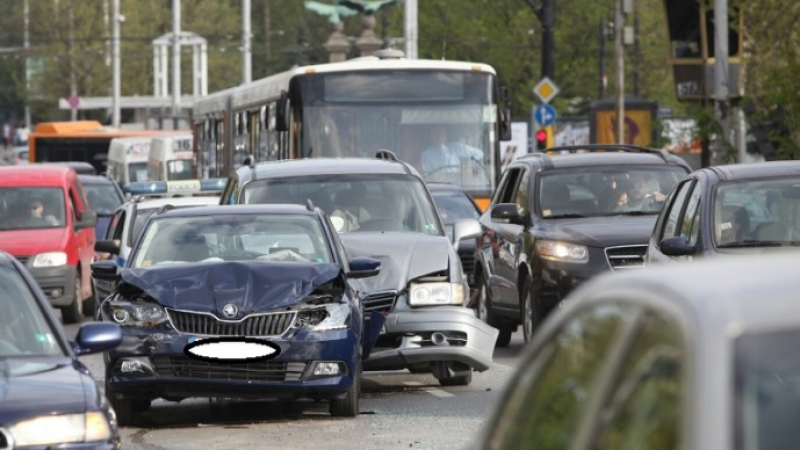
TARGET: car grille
(184,367)
(24,261)
(269,324)
(380,301)
(626,257)
(467,263)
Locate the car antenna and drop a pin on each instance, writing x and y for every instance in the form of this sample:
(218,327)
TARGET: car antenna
(310,205)
(386,155)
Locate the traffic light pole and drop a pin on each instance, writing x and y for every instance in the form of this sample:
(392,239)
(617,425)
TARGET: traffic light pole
(619,56)
(546,16)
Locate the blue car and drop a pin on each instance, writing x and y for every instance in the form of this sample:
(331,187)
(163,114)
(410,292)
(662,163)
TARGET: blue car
(48,398)
(104,196)
(237,302)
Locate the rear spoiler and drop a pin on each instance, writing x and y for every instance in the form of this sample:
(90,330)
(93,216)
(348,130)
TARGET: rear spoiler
(175,188)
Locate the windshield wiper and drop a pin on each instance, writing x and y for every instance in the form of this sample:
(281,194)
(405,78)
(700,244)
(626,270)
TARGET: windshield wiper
(751,243)
(636,213)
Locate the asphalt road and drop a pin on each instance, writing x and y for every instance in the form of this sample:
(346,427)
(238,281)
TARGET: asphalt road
(399,410)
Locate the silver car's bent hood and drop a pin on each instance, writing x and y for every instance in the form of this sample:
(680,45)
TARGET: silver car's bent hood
(403,256)
(249,285)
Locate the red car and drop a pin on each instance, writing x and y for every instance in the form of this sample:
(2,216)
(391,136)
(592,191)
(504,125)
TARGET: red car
(46,224)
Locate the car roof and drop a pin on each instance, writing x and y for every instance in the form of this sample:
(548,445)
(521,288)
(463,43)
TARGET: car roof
(176,201)
(611,158)
(756,170)
(223,210)
(35,175)
(332,166)
(721,295)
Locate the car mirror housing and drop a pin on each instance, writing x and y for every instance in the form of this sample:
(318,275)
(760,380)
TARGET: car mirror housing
(88,220)
(507,213)
(363,267)
(676,246)
(466,229)
(106,246)
(97,337)
(105,270)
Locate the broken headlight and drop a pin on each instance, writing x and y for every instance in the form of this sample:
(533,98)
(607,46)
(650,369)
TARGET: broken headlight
(321,314)
(137,312)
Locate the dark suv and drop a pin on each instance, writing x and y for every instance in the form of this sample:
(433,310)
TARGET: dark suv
(556,221)
(383,210)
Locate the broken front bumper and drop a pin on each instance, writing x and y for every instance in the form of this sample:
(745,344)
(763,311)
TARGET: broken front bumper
(432,334)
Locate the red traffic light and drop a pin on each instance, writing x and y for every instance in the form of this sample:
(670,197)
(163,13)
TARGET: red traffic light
(541,136)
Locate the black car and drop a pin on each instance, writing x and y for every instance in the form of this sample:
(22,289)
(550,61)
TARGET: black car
(48,398)
(455,204)
(382,209)
(732,209)
(556,221)
(237,302)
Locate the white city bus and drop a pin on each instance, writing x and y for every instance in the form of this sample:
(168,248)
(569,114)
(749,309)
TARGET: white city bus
(355,108)
(127,159)
(171,158)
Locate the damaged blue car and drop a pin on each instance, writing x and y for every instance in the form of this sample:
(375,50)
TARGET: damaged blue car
(250,302)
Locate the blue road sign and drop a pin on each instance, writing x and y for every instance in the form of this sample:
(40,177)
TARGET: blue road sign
(545,115)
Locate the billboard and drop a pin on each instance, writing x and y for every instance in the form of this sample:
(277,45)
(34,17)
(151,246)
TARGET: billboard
(638,127)
(516,147)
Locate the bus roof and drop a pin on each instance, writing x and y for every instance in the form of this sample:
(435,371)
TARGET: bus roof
(91,129)
(271,86)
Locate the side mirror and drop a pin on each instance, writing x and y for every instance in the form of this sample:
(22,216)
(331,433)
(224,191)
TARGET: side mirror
(282,113)
(104,246)
(507,213)
(105,270)
(364,267)
(466,229)
(88,220)
(97,337)
(676,246)
(505,124)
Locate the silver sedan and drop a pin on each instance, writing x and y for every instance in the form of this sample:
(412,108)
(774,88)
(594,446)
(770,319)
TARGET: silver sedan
(703,356)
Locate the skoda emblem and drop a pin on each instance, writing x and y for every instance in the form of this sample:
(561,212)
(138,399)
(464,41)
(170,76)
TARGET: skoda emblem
(230,311)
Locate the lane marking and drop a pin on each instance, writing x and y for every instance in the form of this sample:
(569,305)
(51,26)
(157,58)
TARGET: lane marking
(433,391)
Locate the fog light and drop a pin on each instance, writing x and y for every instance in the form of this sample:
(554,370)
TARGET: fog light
(55,293)
(326,368)
(132,366)
(120,315)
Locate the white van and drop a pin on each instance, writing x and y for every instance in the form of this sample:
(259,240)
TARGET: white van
(171,158)
(127,159)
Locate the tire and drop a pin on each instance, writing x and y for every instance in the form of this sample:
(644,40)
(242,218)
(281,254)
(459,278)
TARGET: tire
(349,405)
(463,380)
(532,314)
(484,312)
(72,313)
(126,409)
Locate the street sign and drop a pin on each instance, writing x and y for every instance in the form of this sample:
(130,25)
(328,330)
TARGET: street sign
(74,101)
(545,115)
(546,90)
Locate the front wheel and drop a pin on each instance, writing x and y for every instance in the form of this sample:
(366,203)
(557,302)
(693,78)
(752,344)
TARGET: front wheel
(349,405)
(72,312)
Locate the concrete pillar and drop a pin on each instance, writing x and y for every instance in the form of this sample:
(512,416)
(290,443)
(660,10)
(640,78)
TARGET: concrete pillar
(337,44)
(368,43)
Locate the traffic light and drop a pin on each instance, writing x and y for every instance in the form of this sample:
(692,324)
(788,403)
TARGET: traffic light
(541,139)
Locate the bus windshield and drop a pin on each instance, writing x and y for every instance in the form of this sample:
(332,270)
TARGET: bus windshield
(179,169)
(441,122)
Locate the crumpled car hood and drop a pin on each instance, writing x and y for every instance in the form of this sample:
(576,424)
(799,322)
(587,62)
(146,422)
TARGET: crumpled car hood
(253,286)
(403,256)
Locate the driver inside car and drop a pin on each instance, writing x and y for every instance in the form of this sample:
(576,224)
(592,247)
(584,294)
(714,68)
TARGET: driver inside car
(349,212)
(639,197)
(442,154)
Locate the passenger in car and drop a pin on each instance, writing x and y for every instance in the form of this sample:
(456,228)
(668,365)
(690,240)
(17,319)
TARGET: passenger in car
(638,197)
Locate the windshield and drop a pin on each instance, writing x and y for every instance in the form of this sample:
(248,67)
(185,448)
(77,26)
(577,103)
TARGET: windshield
(441,122)
(604,191)
(23,328)
(238,237)
(355,203)
(757,213)
(137,172)
(104,199)
(179,169)
(454,206)
(24,208)
(766,390)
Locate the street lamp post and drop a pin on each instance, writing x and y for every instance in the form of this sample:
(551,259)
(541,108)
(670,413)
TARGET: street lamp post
(115,57)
